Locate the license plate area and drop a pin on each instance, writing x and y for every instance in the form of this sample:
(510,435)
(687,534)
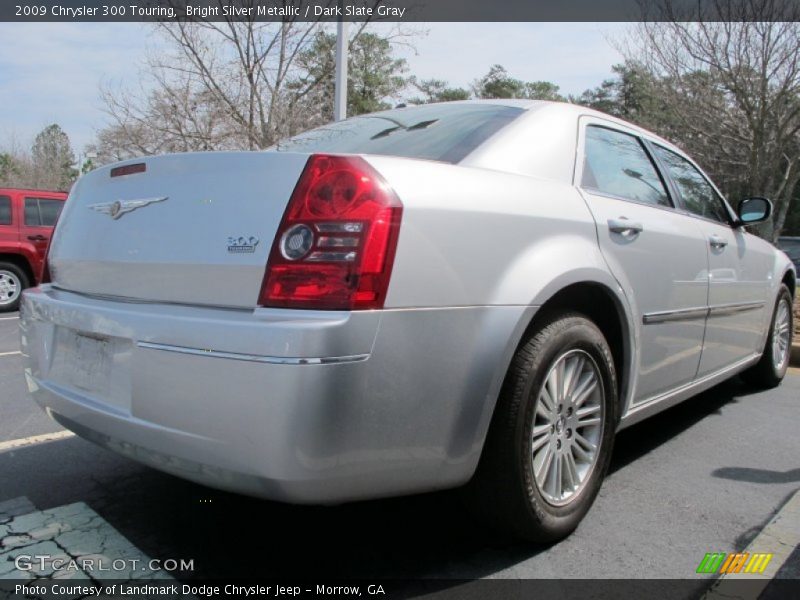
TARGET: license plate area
(93,366)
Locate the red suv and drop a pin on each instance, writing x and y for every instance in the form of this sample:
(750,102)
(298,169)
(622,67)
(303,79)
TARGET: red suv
(27,218)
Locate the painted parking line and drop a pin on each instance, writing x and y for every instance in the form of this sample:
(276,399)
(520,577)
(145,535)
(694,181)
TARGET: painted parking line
(35,439)
(774,544)
(14,353)
(70,541)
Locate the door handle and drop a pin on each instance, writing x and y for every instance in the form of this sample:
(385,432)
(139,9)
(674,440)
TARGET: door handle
(37,238)
(625,227)
(717,242)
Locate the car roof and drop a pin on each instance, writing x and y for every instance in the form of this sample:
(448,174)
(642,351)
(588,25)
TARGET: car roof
(577,110)
(561,107)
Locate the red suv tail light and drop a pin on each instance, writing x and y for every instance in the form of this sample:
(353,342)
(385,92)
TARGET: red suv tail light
(335,246)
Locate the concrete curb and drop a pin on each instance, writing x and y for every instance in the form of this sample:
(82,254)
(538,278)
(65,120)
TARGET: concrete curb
(777,539)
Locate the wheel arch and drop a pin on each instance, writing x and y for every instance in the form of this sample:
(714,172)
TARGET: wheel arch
(790,279)
(596,294)
(606,310)
(20,261)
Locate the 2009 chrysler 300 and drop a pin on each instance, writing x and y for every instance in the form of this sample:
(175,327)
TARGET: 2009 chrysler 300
(478,292)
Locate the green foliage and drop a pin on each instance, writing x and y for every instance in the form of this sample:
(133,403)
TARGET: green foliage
(497,83)
(631,94)
(436,90)
(8,167)
(373,73)
(53,158)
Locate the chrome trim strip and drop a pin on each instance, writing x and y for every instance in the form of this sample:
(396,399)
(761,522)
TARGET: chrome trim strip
(272,360)
(684,314)
(731,309)
(688,314)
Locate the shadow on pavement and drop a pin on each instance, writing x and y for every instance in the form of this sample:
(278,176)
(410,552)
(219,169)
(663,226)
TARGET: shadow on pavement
(757,475)
(429,535)
(644,437)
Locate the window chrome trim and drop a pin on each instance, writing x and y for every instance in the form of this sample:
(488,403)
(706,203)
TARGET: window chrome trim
(257,358)
(691,314)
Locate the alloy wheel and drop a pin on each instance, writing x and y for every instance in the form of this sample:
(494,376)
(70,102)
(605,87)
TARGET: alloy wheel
(10,287)
(567,427)
(781,334)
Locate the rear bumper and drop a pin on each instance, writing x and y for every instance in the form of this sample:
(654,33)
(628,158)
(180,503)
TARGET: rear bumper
(299,406)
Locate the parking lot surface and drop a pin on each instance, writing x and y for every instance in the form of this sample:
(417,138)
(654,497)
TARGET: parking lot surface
(705,476)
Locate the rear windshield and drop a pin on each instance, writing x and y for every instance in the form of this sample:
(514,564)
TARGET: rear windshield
(443,132)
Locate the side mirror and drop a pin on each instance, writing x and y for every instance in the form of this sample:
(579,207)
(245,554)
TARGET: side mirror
(754,210)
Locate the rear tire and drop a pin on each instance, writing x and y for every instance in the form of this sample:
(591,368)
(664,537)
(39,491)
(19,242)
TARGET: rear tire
(12,281)
(538,475)
(771,369)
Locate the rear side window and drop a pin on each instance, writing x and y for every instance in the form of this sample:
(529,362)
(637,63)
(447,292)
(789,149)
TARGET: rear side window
(446,133)
(5,210)
(49,210)
(32,212)
(698,196)
(42,212)
(617,164)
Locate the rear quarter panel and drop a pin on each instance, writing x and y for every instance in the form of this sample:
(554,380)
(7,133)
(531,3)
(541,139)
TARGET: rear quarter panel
(477,237)
(479,252)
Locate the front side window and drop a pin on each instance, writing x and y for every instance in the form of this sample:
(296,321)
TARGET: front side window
(698,196)
(5,210)
(617,164)
(42,212)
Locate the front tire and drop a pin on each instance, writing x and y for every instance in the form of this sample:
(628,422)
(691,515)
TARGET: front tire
(771,369)
(550,441)
(12,281)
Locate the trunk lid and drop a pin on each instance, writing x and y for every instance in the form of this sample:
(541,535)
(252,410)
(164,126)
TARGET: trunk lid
(192,228)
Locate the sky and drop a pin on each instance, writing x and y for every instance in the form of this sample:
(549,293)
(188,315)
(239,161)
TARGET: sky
(52,72)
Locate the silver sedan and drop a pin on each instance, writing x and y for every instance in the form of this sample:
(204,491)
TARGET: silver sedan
(476,293)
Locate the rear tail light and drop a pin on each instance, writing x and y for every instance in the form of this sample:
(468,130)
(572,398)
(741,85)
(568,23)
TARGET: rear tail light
(335,246)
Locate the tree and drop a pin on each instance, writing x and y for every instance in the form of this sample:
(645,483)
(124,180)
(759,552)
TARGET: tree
(53,159)
(731,91)
(8,168)
(631,94)
(497,83)
(373,74)
(242,85)
(218,85)
(436,90)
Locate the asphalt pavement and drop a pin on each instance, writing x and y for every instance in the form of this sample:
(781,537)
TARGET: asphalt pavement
(705,476)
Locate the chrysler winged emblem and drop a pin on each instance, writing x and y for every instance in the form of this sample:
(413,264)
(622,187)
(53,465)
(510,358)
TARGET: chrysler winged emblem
(120,207)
